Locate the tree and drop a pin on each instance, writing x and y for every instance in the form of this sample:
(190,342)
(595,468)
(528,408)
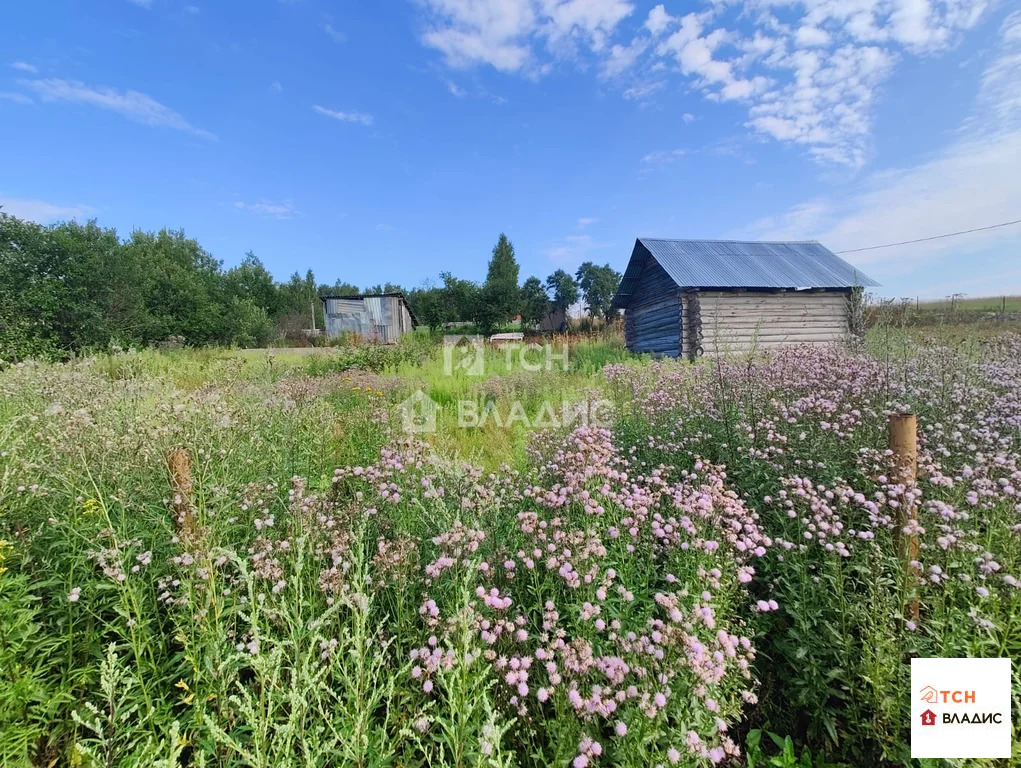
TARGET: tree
(501,297)
(339,288)
(563,289)
(599,284)
(251,281)
(182,289)
(535,303)
(299,299)
(459,299)
(428,306)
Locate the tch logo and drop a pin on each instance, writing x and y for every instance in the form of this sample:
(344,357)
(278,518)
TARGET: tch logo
(931,695)
(960,708)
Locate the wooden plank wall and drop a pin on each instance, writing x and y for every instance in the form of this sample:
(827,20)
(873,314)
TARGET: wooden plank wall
(739,321)
(652,322)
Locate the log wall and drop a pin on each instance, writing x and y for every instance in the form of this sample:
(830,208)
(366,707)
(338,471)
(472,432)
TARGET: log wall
(652,321)
(739,321)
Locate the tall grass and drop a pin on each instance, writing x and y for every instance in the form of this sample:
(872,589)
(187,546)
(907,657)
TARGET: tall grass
(719,561)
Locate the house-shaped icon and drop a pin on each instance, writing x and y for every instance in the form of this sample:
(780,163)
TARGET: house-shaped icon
(929,695)
(928,717)
(418,413)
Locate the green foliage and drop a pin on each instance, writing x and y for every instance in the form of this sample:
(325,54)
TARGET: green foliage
(367,357)
(598,284)
(251,281)
(535,303)
(500,297)
(251,325)
(563,289)
(786,757)
(25,696)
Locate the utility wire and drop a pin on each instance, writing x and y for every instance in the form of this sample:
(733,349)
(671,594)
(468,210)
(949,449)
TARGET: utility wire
(934,237)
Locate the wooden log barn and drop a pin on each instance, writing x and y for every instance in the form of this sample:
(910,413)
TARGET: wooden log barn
(685,298)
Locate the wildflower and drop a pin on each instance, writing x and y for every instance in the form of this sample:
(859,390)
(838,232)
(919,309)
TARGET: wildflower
(74,595)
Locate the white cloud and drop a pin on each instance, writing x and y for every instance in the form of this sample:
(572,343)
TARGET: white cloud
(658,20)
(808,71)
(276,87)
(808,36)
(24,66)
(42,211)
(687,117)
(334,34)
(345,117)
(973,182)
(621,58)
(663,157)
(586,221)
(134,105)
(455,89)
(506,34)
(643,91)
(17,98)
(570,251)
(281,210)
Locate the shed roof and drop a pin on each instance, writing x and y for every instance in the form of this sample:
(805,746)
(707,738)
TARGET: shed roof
(393,294)
(741,264)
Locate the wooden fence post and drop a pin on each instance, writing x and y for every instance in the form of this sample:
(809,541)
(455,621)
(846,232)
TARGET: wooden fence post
(903,442)
(179,464)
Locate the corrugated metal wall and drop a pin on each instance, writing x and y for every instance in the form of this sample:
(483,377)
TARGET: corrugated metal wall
(375,318)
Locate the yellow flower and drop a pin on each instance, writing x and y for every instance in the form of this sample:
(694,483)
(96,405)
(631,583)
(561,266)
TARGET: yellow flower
(355,389)
(189,698)
(182,685)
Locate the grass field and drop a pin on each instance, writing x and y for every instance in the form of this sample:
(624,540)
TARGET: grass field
(972,304)
(602,561)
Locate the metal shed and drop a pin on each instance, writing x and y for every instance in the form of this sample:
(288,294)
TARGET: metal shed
(383,317)
(689,297)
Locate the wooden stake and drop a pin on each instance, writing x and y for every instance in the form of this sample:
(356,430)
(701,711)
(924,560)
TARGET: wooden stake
(903,442)
(179,464)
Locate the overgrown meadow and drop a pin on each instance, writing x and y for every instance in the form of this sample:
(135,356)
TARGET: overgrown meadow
(713,574)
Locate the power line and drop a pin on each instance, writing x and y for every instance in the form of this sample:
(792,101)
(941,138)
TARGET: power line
(934,237)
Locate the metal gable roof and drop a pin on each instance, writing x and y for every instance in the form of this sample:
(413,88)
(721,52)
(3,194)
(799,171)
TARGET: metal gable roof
(741,264)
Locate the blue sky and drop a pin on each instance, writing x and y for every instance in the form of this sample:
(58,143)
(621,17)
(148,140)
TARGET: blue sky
(391,140)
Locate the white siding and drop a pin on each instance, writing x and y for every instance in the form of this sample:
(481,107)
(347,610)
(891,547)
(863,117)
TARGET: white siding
(739,321)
